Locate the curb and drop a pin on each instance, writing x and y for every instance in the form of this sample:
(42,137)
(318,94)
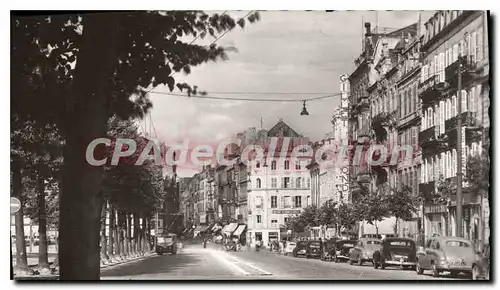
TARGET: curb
(56,277)
(128,261)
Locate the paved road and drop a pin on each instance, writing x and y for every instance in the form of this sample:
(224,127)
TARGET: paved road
(195,262)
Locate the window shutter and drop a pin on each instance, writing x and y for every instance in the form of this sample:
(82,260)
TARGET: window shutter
(473,46)
(453,106)
(436,115)
(291,182)
(480,48)
(441,67)
(436,65)
(282,202)
(443,164)
(470,101)
(441,117)
(464,101)
(462,48)
(456,50)
(282,182)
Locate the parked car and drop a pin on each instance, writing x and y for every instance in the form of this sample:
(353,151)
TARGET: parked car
(166,243)
(290,246)
(481,265)
(342,249)
(300,248)
(328,250)
(401,252)
(363,252)
(313,249)
(450,254)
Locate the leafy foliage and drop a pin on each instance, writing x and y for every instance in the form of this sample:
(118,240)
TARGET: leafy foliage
(401,204)
(308,218)
(148,51)
(478,173)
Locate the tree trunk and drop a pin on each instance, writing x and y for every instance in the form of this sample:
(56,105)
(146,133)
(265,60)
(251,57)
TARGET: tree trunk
(396,227)
(119,236)
(104,242)
(128,235)
(21,258)
(137,235)
(112,227)
(148,234)
(43,259)
(376,228)
(80,201)
(122,230)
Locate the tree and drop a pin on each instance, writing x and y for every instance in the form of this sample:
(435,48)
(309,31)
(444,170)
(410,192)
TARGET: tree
(401,205)
(372,209)
(76,71)
(346,218)
(477,173)
(327,213)
(309,217)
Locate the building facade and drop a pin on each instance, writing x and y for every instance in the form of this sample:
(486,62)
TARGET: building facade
(452,37)
(278,189)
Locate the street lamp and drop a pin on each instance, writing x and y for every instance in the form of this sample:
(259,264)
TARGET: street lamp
(304,110)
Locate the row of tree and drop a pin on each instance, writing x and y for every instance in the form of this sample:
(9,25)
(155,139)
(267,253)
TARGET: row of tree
(73,72)
(130,194)
(400,203)
(343,217)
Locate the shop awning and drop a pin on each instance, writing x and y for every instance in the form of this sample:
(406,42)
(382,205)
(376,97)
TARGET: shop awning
(239,230)
(200,228)
(216,227)
(229,228)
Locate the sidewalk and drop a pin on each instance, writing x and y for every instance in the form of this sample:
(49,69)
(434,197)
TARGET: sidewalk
(55,276)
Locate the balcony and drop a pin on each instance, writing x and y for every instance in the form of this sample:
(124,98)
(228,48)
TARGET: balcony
(431,142)
(363,177)
(469,71)
(429,91)
(382,123)
(427,189)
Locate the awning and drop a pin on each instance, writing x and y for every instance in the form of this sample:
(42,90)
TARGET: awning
(216,228)
(200,228)
(229,228)
(239,230)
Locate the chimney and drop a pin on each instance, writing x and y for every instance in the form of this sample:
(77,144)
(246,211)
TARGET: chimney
(368,29)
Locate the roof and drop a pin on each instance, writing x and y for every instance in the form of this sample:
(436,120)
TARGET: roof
(282,127)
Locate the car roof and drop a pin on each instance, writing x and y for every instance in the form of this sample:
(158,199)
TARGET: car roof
(450,238)
(398,239)
(369,239)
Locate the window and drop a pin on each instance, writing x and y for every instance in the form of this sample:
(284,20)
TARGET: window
(258,183)
(287,202)
(274,201)
(448,109)
(308,182)
(274,223)
(274,182)
(273,165)
(287,165)
(259,219)
(308,200)
(286,219)
(258,202)
(297,166)
(257,165)
(453,106)
(297,181)
(297,202)
(479,44)
(285,182)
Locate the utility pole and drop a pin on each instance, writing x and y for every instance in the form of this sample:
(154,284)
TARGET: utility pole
(458,219)
(156,227)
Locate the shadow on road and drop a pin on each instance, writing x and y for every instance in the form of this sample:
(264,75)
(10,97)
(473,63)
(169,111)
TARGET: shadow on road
(154,265)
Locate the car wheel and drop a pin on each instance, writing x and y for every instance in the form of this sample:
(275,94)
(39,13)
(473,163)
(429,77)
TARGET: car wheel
(360,262)
(475,273)
(375,265)
(335,259)
(435,271)
(351,262)
(419,270)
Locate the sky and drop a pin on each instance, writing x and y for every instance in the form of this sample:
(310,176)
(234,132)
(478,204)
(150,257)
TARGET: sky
(299,53)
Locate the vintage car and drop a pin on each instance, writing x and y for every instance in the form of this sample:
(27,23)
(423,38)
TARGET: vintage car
(400,252)
(481,266)
(328,250)
(342,249)
(166,243)
(300,249)
(363,252)
(290,246)
(446,254)
(313,249)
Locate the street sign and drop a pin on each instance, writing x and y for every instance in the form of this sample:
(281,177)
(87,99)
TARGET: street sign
(15,205)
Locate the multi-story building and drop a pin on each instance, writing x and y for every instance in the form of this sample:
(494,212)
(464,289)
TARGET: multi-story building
(278,188)
(371,115)
(186,207)
(451,38)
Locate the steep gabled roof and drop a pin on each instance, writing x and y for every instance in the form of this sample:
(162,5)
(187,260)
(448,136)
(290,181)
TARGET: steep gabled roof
(282,127)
